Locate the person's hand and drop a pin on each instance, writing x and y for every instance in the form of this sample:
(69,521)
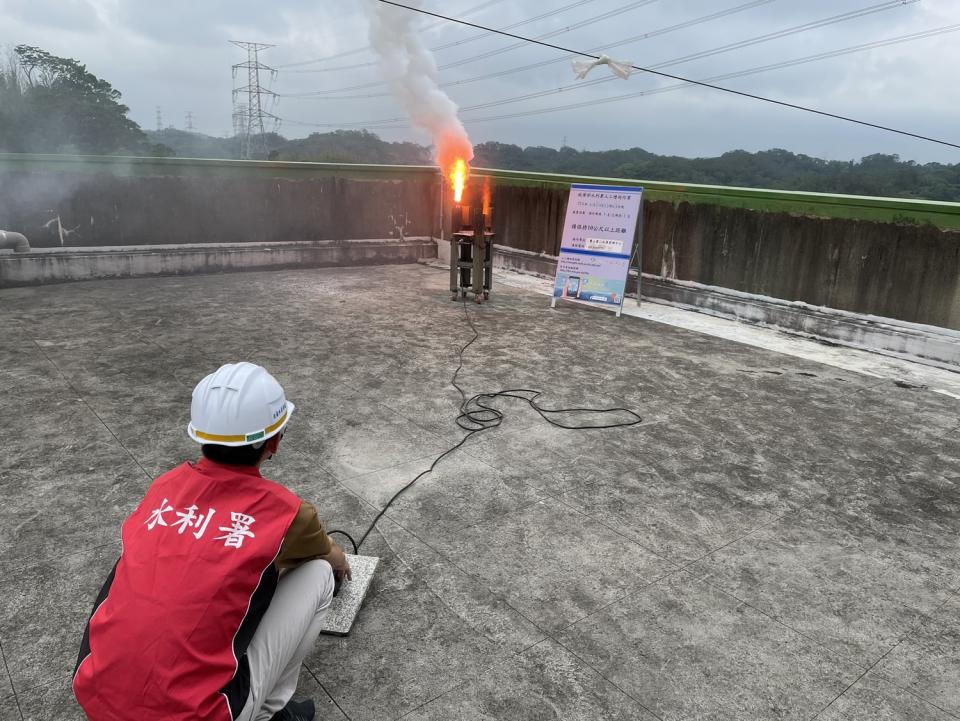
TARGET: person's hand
(338,561)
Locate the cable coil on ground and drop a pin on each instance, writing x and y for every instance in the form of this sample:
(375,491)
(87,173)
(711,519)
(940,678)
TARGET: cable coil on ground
(477,416)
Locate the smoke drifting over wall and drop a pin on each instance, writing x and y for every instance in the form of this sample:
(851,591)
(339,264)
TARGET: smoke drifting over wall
(410,71)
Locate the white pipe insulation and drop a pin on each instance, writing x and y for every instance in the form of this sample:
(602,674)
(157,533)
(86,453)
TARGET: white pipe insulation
(17,241)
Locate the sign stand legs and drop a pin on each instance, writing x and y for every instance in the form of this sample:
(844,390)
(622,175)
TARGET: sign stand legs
(638,253)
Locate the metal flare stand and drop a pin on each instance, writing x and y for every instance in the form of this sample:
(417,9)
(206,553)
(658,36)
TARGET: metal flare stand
(471,253)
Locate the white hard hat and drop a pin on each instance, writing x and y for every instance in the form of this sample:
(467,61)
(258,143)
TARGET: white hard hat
(237,405)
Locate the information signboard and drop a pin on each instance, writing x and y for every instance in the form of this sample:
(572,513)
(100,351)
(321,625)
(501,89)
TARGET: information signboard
(597,244)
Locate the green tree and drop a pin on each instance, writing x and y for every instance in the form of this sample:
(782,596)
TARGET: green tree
(55,105)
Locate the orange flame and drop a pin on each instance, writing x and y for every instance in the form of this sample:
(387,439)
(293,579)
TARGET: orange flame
(458,178)
(454,153)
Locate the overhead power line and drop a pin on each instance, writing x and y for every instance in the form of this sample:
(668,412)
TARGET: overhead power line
(766,37)
(543,63)
(552,34)
(463,41)
(480,36)
(740,74)
(813,25)
(633,38)
(717,51)
(395,123)
(367,48)
(703,84)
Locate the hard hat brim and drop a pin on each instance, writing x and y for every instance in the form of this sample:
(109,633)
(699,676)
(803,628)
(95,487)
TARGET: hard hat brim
(248,439)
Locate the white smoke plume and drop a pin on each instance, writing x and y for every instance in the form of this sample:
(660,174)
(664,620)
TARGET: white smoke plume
(411,74)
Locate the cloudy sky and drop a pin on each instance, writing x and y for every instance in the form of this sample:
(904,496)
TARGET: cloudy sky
(177,55)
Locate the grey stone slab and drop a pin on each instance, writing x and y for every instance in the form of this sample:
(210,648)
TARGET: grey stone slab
(366,367)
(576,476)
(718,458)
(307,687)
(944,462)
(801,435)
(406,647)
(912,411)
(50,511)
(157,465)
(927,662)
(45,607)
(909,521)
(821,582)
(51,433)
(363,436)
(26,372)
(544,449)
(6,685)
(872,698)
(551,563)
(53,700)
(101,364)
(150,421)
(546,681)
(684,649)
(427,399)
(9,711)
(673,519)
(337,506)
(482,608)
(461,491)
(313,388)
(346,604)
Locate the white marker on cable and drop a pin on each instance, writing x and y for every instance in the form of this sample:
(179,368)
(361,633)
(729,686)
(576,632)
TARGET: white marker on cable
(620,68)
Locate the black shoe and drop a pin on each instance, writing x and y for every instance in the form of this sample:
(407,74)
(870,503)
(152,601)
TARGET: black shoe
(296,711)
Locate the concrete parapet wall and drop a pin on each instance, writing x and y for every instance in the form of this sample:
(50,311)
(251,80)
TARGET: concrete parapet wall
(58,266)
(65,201)
(939,347)
(909,271)
(885,257)
(926,344)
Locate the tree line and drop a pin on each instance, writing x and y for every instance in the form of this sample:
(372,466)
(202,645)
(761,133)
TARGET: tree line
(50,104)
(880,174)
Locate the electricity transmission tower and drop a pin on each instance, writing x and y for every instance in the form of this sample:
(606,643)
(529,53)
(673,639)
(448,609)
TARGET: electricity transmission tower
(239,119)
(190,122)
(159,119)
(252,117)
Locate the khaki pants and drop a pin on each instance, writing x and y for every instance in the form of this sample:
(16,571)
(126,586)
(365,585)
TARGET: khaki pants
(285,636)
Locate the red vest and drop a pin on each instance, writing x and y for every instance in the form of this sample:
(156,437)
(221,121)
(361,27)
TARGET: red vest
(169,632)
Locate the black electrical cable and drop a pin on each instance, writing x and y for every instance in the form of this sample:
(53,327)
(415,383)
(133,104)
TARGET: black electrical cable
(320,94)
(386,123)
(349,538)
(461,41)
(700,83)
(476,417)
(366,48)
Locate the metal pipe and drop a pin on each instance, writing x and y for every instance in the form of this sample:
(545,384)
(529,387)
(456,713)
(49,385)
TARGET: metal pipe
(17,241)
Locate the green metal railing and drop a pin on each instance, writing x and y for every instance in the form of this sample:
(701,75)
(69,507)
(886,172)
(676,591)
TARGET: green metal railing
(206,167)
(825,205)
(886,210)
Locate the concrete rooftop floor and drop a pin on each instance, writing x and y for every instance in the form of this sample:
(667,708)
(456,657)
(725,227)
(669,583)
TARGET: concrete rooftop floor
(778,540)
